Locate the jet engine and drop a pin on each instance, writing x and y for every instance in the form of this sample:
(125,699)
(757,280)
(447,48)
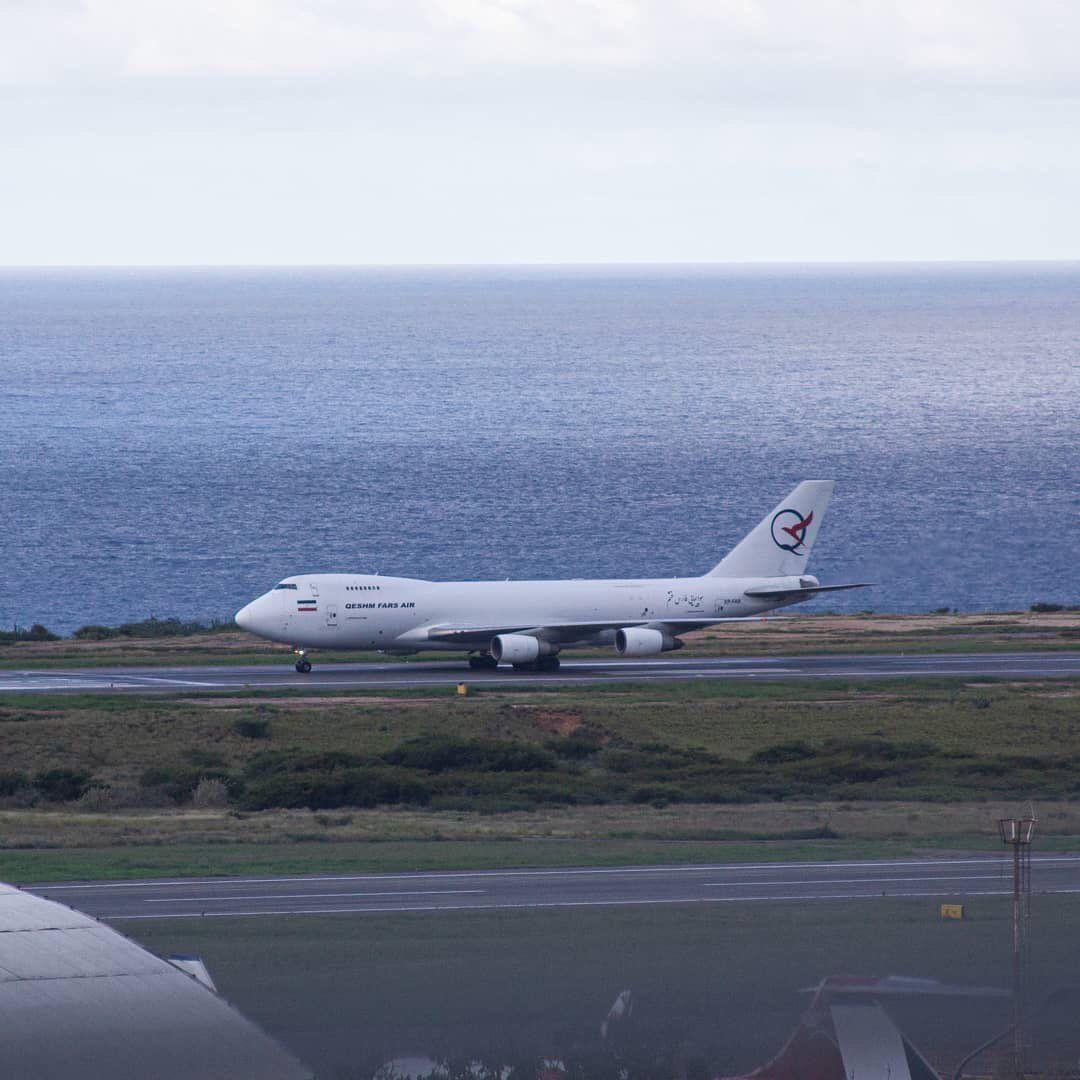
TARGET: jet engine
(519,648)
(644,641)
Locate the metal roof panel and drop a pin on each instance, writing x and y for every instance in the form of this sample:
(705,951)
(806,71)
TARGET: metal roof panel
(80,1000)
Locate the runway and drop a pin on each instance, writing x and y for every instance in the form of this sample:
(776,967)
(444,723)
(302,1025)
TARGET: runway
(953,878)
(414,675)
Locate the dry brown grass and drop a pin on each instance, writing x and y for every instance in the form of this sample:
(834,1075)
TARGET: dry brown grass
(829,633)
(793,632)
(306,703)
(132,650)
(865,821)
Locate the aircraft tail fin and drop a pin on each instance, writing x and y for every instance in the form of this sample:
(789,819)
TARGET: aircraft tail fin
(781,543)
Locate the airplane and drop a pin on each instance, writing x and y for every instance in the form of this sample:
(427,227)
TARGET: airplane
(528,623)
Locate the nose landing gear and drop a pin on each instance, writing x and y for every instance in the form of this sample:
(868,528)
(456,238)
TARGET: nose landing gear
(303,664)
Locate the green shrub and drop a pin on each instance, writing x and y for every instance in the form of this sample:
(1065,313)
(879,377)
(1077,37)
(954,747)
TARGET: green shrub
(327,791)
(158,628)
(788,751)
(726,793)
(62,785)
(197,755)
(879,748)
(299,761)
(153,628)
(13,782)
(574,747)
(326,780)
(180,781)
(252,728)
(37,632)
(493,775)
(657,794)
(1043,606)
(441,753)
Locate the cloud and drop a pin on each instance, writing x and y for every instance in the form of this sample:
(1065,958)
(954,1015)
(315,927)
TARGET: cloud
(980,41)
(497,130)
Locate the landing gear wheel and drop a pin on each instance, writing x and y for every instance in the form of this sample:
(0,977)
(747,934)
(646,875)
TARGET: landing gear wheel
(483,662)
(544,663)
(303,666)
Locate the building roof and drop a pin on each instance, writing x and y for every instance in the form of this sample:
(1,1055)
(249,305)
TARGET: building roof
(79,999)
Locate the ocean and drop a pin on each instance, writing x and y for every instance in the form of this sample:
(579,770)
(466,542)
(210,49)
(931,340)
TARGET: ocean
(175,441)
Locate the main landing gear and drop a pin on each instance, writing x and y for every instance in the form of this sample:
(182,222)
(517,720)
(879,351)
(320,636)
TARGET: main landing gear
(486,662)
(543,663)
(303,664)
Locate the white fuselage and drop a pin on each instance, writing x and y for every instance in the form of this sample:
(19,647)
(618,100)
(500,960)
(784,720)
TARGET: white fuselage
(527,623)
(363,611)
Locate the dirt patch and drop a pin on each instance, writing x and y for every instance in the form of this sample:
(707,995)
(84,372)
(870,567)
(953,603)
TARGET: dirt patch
(554,723)
(1035,689)
(862,700)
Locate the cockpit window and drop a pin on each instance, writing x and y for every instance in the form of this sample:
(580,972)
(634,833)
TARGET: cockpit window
(284,585)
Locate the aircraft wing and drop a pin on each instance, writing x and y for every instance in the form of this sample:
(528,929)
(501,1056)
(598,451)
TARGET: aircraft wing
(765,591)
(570,631)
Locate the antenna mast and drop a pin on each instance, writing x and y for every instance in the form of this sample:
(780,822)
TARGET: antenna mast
(1017,833)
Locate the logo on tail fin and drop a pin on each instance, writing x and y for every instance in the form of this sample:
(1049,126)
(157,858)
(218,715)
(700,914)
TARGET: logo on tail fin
(789,530)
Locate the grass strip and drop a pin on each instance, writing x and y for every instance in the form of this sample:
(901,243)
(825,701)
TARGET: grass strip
(40,866)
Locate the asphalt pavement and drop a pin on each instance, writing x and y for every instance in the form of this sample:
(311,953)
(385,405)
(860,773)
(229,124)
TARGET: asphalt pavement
(947,878)
(414,674)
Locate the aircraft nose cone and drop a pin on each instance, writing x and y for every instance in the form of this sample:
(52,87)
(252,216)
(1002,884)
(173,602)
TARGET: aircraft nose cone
(243,618)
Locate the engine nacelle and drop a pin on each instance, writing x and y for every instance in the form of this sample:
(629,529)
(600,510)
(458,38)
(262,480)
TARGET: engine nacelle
(519,648)
(644,641)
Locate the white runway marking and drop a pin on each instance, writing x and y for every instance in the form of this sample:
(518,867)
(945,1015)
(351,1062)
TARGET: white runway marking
(137,679)
(309,896)
(442,875)
(556,904)
(58,685)
(922,878)
(42,680)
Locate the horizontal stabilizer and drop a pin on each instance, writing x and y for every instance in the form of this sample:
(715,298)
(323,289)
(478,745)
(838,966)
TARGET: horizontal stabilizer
(770,591)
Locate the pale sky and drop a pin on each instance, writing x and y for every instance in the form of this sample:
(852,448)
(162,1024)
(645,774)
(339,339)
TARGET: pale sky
(479,131)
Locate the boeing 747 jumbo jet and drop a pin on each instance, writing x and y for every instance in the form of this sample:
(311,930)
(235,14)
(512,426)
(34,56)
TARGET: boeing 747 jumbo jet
(527,623)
